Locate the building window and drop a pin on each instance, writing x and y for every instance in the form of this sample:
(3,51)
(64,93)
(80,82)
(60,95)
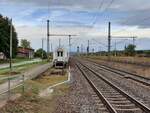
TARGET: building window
(58,53)
(61,54)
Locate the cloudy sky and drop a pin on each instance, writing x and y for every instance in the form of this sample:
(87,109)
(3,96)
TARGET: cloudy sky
(86,18)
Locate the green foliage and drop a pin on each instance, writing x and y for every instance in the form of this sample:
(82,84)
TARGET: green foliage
(5,37)
(25,43)
(38,53)
(130,50)
(147,52)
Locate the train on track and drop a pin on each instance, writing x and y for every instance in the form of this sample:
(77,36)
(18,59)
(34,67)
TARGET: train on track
(60,57)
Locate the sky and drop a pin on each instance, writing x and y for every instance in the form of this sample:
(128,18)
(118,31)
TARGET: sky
(88,19)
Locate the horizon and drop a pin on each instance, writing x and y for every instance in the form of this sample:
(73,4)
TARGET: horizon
(88,19)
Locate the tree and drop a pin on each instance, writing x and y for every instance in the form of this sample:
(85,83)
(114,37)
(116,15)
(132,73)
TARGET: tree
(25,43)
(130,50)
(38,53)
(5,37)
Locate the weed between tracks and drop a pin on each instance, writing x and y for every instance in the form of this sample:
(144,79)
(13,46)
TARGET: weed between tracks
(31,102)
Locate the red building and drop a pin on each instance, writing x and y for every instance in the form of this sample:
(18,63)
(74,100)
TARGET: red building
(25,52)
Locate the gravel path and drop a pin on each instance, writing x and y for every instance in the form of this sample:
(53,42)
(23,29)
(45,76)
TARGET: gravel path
(80,98)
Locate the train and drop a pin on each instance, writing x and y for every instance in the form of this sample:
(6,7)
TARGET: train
(60,57)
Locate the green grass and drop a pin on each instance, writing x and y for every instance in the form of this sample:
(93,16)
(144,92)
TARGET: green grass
(42,82)
(31,102)
(15,60)
(17,70)
(21,68)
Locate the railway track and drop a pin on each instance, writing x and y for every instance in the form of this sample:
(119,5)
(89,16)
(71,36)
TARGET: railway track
(128,75)
(115,99)
(144,64)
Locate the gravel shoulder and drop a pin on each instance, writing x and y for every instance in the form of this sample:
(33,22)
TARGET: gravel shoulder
(79,97)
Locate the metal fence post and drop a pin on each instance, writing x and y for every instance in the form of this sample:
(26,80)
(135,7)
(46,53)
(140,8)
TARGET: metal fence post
(9,88)
(23,79)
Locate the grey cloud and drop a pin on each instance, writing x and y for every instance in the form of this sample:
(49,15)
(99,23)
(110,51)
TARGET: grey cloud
(60,3)
(87,4)
(138,18)
(136,10)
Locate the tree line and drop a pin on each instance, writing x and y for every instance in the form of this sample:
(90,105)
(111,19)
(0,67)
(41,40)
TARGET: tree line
(5,24)
(129,50)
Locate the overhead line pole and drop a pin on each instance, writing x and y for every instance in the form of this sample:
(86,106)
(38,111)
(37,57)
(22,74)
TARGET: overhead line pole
(48,34)
(134,40)
(109,39)
(88,47)
(69,44)
(115,49)
(42,47)
(51,47)
(81,48)
(11,44)
(59,42)
(10,59)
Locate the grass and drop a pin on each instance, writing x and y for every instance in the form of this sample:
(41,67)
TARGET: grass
(52,76)
(17,70)
(15,60)
(21,68)
(123,58)
(31,102)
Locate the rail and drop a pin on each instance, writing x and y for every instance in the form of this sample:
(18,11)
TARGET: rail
(135,77)
(132,99)
(99,94)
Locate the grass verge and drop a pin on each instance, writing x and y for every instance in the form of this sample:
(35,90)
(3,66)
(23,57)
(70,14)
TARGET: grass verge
(21,68)
(31,102)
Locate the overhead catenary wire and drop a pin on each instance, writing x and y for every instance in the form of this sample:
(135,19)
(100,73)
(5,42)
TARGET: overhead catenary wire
(129,19)
(119,42)
(95,17)
(102,13)
(104,45)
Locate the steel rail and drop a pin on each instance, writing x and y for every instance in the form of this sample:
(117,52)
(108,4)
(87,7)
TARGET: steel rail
(132,99)
(121,72)
(99,94)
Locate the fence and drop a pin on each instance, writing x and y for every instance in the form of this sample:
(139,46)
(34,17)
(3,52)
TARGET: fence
(10,83)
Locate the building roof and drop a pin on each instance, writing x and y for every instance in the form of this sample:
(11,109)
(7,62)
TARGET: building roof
(60,49)
(26,48)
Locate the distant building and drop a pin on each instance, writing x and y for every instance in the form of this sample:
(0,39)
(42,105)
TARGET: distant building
(2,56)
(25,52)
